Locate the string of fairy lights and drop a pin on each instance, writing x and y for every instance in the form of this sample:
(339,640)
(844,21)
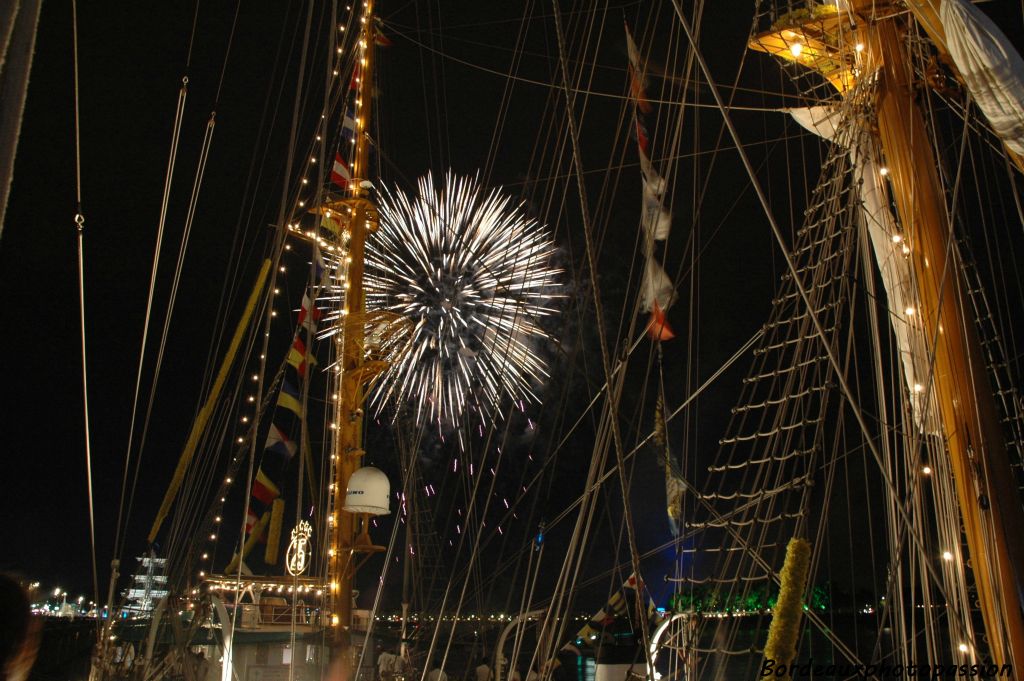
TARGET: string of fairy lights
(209,529)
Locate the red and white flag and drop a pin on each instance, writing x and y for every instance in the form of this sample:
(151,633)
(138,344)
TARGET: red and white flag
(340,174)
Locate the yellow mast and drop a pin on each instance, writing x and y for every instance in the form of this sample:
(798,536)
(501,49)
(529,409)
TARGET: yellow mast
(347,539)
(988,500)
(989,503)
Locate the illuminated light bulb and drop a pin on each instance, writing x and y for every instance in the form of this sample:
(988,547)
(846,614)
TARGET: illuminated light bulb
(910,311)
(256,377)
(217,519)
(334,73)
(273,313)
(302,204)
(918,388)
(859,47)
(335,620)
(334,426)
(906,249)
(227,480)
(927,470)
(883,171)
(334,586)
(206,556)
(962,647)
(796,49)
(330,552)
(304,180)
(287,247)
(213,537)
(202,574)
(896,238)
(251,398)
(946,555)
(282,268)
(241,440)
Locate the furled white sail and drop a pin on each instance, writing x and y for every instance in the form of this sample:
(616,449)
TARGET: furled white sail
(656,218)
(656,287)
(888,246)
(990,67)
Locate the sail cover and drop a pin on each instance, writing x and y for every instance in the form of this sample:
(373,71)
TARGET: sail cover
(990,67)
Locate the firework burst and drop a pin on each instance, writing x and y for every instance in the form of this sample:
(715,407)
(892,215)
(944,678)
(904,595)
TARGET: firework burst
(472,276)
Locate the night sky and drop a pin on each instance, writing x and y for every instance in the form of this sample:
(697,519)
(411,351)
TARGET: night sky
(132,60)
(434,113)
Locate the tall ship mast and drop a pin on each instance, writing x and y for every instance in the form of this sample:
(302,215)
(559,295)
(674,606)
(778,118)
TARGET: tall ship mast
(350,532)
(989,499)
(850,47)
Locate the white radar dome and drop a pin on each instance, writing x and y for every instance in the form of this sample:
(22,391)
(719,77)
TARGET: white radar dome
(368,492)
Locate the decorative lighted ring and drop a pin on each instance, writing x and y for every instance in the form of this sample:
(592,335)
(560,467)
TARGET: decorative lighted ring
(297,557)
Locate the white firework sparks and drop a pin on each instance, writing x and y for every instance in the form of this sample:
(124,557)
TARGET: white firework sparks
(472,274)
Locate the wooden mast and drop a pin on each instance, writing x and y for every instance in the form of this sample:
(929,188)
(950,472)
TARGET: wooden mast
(988,499)
(843,45)
(347,538)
